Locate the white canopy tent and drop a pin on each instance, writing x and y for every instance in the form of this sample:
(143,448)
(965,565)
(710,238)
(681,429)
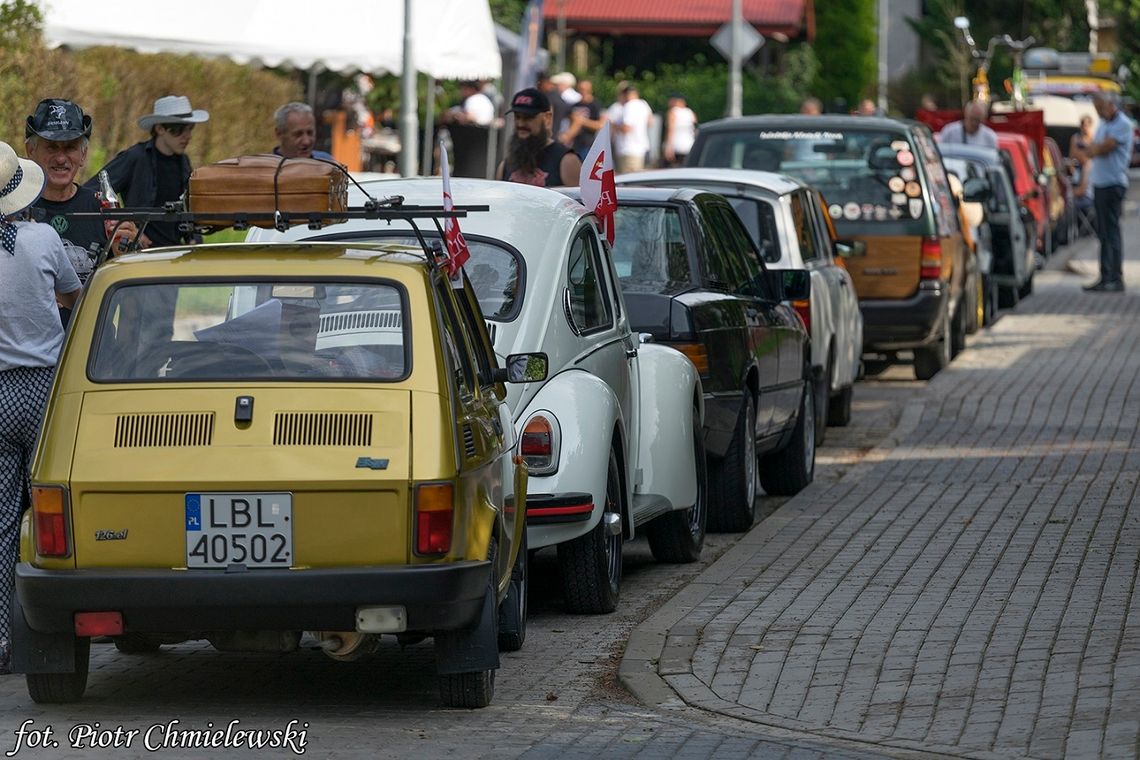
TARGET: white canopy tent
(452,39)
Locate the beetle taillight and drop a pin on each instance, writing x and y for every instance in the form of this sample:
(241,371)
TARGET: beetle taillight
(537,444)
(930,264)
(435,507)
(49,510)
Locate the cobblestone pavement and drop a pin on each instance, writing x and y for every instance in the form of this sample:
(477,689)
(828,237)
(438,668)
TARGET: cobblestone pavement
(966,593)
(969,588)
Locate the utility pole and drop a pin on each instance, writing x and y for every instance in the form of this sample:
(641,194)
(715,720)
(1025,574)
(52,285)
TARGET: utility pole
(735,89)
(409,118)
(884,26)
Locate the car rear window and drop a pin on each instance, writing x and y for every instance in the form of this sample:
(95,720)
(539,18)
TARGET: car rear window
(868,176)
(496,270)
(271,330)
(649,251)
(760,220)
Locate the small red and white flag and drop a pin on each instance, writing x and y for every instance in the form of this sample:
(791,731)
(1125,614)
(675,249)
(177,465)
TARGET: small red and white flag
(596,181)
(457,250)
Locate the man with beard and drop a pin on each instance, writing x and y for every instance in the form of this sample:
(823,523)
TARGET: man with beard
(534,157)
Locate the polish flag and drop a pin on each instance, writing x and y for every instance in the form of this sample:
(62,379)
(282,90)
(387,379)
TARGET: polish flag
(457,250)
(596,182)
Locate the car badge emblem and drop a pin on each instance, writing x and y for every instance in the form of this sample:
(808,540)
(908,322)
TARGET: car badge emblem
(111,535)
(371,464)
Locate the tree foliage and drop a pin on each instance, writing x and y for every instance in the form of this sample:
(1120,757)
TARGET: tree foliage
(845,44)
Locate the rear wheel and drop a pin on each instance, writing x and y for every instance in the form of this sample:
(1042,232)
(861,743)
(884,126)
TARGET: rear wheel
(475,688)
(58,688)
(790,470)
(590,565)
(1026,289)
(732,482)
(678,536)
(930,360)
(839,408)
(512,611)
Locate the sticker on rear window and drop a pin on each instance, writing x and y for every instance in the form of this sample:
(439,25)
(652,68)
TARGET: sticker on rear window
(915,208)
(908,174)
(851,211)
(913,189)
(905,158)
(896,184)
(835,210)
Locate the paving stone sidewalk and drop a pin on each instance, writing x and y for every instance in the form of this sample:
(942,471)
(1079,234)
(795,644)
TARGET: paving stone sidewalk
(970,589)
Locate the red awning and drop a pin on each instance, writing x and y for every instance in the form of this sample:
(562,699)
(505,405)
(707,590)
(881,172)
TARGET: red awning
(793,19)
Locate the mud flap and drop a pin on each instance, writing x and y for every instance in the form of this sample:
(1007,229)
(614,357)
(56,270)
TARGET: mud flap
(472,649)
(35,652)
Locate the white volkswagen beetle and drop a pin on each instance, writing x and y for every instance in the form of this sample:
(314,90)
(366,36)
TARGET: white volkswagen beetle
(612,437)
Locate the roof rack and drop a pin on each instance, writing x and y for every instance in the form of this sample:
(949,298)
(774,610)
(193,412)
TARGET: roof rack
(389,209)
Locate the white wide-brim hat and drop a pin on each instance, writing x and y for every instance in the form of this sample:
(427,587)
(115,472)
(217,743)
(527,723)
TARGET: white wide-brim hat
(173,109)
(21,181)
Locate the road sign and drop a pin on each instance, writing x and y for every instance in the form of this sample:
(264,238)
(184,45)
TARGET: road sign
(750,40)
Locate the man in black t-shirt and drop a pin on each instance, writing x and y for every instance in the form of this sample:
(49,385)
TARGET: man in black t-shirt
(533,156)
(586,118)
(151,173)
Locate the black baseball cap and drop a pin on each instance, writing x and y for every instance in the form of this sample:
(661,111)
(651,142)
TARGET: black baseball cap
(529,102)
(58,120)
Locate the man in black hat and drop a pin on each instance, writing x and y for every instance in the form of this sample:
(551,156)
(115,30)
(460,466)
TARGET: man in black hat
(55,137)
(533,156)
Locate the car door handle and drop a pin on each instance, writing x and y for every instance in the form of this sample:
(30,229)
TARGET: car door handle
(631,353)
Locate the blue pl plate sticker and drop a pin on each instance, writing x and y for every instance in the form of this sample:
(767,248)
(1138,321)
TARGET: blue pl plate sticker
(193,511)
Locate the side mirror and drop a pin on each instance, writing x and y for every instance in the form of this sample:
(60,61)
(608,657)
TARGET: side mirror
(523,368)
(796,284)
(976,190)
(850,249)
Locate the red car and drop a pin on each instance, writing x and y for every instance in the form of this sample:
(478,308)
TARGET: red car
(1020,155)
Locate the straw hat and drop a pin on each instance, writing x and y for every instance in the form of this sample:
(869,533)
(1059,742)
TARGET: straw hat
(173,109)
(21,181)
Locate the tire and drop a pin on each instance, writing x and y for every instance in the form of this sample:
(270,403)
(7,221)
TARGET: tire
(512,610)
(136,643)
(475,688)
(590,565)
(1008,296)
(932,359)
(467,690)
(679,536)
(839,408)
(958,331)
(732,481)
(789,470)
(1026,290)
(60,688)
(821,395)
(977,313)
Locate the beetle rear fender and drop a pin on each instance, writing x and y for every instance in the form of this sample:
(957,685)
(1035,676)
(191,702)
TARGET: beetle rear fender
(669,386)
(584,412)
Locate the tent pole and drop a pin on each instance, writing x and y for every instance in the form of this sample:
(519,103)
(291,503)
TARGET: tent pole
(429,122)
(409,120)
(313,71)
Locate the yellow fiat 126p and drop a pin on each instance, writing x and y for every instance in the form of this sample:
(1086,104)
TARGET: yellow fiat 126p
(249,444)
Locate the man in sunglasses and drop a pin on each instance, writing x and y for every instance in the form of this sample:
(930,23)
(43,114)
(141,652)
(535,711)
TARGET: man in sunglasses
(151,173)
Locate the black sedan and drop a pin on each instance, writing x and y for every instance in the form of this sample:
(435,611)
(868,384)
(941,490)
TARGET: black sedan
(692,279)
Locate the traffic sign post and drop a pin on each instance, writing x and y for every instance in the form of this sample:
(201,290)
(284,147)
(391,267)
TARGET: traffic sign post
(736,41)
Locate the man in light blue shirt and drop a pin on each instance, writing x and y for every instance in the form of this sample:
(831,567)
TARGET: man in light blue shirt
(1111,152)
(970,130)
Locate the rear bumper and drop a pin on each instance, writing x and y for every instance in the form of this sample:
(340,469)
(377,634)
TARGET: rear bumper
(436,597)
(557,508)
(909,323)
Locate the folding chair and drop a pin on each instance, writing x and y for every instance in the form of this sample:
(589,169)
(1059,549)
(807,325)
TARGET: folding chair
(1084,218)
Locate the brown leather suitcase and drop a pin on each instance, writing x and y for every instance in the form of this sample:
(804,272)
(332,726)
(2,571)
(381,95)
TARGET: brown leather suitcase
(255,184)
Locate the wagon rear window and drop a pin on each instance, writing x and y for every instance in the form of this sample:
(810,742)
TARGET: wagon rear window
(649,252)
(285,330)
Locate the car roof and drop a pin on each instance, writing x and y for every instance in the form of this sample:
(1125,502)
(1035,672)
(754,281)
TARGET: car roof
(649,194)
(778,184)
(831,121)
(971,152)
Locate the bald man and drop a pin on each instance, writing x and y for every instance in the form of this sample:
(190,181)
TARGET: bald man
(970,130)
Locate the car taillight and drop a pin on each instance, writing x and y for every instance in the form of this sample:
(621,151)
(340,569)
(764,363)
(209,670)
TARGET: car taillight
(930,265)
(537,444)
(49,510)
(697,354)
(435,506)
(803,308)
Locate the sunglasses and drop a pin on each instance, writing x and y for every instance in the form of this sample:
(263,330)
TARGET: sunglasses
(177,129)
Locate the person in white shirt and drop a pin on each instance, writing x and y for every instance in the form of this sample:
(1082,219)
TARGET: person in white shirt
(970,130)
(680,130)
(476,108)
(633,126)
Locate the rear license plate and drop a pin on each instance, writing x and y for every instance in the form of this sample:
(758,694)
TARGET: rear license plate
(251,529)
